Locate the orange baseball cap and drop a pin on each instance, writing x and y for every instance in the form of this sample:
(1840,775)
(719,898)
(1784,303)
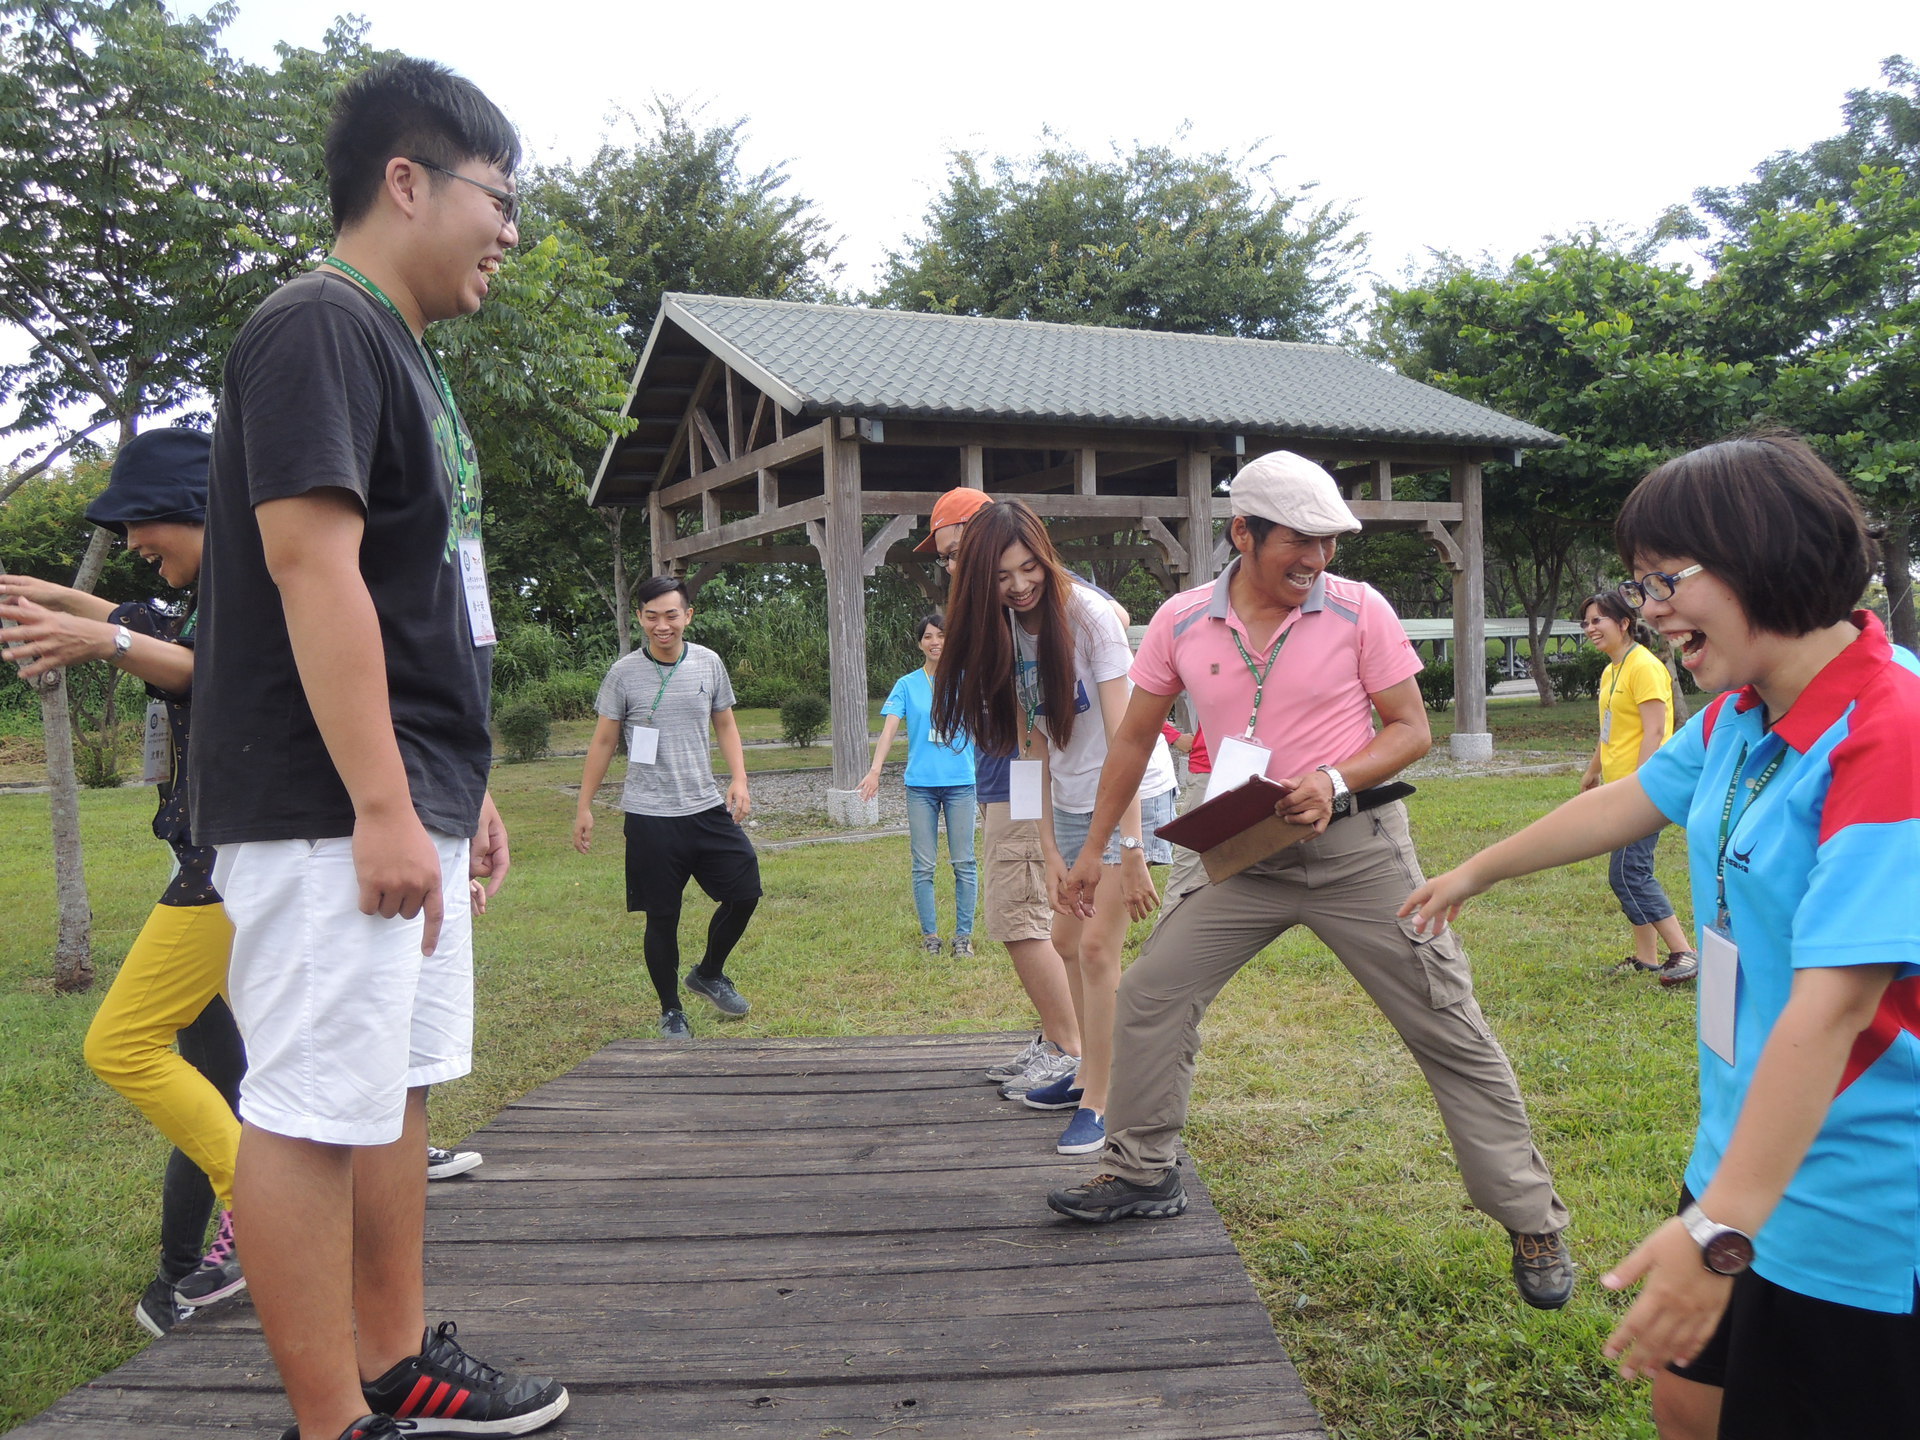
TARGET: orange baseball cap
(956,507)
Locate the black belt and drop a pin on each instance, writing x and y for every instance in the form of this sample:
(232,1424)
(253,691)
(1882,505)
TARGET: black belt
(1378,795)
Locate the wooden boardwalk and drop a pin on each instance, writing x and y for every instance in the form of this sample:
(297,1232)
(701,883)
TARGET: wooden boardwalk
(789,1238)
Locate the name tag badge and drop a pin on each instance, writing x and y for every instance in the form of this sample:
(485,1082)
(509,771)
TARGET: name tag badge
(156,745)
(643,744)
(934,737)
(1236,761)
(1606,726)
(1023,789)
(1719,987)
(473,578)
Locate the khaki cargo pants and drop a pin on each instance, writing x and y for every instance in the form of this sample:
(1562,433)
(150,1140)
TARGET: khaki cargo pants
(1344,886)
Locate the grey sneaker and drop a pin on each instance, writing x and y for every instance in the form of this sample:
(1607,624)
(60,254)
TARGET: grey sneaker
(1108,1197)
(1681,966)
(1542,1269)
(930,944)
(674,1026)
(1050,1065)
(1016,1067)
(962,945)
(719,991)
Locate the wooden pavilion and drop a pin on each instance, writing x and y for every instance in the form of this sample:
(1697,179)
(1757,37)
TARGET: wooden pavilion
(773,431)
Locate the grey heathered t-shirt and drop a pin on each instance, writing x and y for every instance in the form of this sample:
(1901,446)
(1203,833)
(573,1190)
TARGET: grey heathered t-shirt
(680,781)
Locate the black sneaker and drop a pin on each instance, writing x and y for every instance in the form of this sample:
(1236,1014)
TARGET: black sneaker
(218,1274)
(367,1427)
(674,1025)
(1108,1197)
(719,990)
(1542,1269)
(1681,966)
(445,1391)
(159,1309)
(445,1164)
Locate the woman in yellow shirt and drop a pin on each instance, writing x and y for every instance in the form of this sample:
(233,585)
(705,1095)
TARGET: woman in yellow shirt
(1636,719)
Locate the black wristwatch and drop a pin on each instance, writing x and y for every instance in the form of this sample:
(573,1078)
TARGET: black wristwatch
(1723,1249)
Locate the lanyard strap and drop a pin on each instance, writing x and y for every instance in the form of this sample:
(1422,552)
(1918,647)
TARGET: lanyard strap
(1021,692)
(1259,675)
(1754,787)
(664,679)
(1618,666)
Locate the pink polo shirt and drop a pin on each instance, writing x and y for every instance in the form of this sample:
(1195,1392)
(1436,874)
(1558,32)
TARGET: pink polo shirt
(1347,645)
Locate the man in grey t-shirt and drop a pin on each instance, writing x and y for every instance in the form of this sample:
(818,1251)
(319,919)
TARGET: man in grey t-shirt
(663,697)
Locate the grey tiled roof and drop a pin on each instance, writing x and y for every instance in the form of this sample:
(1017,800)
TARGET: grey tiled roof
(832,359)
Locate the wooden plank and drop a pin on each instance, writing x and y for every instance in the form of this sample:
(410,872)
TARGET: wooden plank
(874,554)
(784,451)
(1175,552)
(787,517)
(1197,510)
(733,415)
(1086,471)
(973,466)
(1124,510)
(716,452)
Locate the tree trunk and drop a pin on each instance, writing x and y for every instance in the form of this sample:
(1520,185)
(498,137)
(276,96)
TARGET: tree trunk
(73,944)
(1538,632)
(1896,552)
(622,582)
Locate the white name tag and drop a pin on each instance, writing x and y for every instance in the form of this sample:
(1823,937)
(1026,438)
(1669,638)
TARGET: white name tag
(1237,761)
(1719,987)
(156,745)
(643,744)
(1024,779)
(473,578)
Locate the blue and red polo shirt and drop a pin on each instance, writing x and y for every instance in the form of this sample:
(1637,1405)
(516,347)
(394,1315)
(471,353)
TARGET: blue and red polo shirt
(1821,871)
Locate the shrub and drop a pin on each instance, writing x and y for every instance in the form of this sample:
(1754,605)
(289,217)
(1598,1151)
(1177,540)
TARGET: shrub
(1577,676)
(1436,685)
(526,654)
(525,726)
(565,694)
(803,718)
(96,757)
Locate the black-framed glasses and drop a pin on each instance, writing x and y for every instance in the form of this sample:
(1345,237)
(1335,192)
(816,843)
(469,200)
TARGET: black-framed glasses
(509,201)
(945,559)
(1654,585)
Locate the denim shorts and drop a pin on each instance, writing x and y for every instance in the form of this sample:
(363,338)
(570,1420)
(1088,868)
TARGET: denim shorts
(1070,831)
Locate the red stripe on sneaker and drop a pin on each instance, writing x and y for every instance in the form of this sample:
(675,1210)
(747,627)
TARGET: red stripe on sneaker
(408,1405)
(453,1405)
(432,1407)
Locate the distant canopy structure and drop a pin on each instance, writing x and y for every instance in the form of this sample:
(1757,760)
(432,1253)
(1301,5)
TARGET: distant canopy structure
(758,421)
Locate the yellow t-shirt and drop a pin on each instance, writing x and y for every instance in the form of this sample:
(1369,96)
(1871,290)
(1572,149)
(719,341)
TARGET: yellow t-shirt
(1625,686)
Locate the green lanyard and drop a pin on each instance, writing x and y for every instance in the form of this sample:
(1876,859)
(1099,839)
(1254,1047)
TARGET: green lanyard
(1021,692)
(664,679)
(1723,920)
(1617,667)
(1259,675)
(463,463)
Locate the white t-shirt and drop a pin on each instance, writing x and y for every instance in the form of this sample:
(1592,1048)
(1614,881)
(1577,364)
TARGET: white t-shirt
(1100,653)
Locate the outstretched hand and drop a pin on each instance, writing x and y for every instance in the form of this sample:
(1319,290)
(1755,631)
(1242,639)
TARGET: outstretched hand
(1677,1311)
(1437,903)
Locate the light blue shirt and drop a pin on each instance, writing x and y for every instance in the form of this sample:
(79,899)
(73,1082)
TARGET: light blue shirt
(932,760)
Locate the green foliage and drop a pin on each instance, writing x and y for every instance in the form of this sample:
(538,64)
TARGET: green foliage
(1577,676)
(525,726)
(1206,244)
(803,718)
(1436,685)
(565,694)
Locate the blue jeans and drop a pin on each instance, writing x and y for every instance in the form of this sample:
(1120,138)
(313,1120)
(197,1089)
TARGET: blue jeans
(925,805)
(1630,872)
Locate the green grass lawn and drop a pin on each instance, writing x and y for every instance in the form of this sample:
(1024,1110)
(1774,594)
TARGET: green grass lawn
(1312,1126)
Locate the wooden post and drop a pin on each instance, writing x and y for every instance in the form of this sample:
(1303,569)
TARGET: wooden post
(1471,738)
(973,467)
(1196,486)
(846,631)
(1085,475)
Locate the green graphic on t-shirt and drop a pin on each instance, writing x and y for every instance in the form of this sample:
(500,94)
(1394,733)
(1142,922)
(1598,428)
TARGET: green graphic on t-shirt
(462,468)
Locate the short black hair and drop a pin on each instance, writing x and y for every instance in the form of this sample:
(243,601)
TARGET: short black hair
(1766,516)
(409,107)
(933,620)
(660,585)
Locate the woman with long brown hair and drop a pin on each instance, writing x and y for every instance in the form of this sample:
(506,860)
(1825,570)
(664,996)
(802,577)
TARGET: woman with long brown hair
(1038,665)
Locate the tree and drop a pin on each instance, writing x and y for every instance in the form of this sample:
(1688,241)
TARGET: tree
(1208,244)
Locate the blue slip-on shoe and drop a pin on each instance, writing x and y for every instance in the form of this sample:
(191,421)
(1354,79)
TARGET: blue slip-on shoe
(1062,1094)
(1084,1134)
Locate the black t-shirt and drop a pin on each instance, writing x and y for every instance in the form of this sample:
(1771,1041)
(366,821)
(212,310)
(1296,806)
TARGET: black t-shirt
(324,387)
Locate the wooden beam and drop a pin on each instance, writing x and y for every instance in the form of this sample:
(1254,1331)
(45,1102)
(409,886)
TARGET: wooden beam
(874,555)
(788,517)
(700,577)
(683,433)
(846,613)
(768,484)
(1196,506)
(1086,472)
(715,450)
(1124,510)
(999,435)
(1449,549)
(759,414)
(1175,552)
(768,457)
(1469,607)
(817,537)
(973,466)
(733,415)
(1383,481)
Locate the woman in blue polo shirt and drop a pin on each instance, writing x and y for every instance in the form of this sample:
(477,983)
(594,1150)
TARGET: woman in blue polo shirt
(939,783)
(1781,1301)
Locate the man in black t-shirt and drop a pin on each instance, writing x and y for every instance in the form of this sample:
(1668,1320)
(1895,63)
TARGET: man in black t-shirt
(342,679)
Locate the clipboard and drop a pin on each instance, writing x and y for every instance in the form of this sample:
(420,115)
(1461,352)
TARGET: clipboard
(1239,828)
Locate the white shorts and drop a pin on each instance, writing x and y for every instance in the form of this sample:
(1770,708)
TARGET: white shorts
(340,1011)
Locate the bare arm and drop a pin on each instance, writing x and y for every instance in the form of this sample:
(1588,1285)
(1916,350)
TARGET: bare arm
(726,731)
(870,782)
(1403,737)
(63,598)
(1785,1106)
(606,739)
(312,548)
(1129,748)
(43,639)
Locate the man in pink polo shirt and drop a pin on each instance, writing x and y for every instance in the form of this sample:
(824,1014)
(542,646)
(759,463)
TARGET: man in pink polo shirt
(1286,665)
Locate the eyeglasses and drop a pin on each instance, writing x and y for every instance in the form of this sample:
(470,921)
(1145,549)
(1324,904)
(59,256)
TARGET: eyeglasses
(946,558)
(1654,585)
(509,201)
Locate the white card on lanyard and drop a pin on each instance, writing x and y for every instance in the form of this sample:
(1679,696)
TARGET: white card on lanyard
(1719,988)
(156,745)
(643,744)
(1606,726)
(1024,778)
(473,578)
(1236,761)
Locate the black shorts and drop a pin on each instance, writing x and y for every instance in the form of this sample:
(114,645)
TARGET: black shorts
(663,851)
(1797,1368)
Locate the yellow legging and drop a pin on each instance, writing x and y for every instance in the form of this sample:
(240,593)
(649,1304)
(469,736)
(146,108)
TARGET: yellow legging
(175,968)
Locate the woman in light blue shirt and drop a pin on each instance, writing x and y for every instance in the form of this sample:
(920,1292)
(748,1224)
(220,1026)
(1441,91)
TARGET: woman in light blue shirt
(939,782)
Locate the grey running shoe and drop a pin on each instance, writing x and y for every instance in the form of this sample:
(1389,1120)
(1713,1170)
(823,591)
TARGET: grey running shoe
(218,1273)
(1016,1067)
(1542,1269)
(445,1164)
(719,991)
(1050,1065)
(1108,1197)
(674,1026)
(160,1309)
(930,944)
(963,945)
(1681,966)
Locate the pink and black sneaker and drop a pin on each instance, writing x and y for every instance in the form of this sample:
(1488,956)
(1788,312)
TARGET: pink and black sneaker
(218,1273)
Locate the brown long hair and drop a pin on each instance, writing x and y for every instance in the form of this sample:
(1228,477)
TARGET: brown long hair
(973,689)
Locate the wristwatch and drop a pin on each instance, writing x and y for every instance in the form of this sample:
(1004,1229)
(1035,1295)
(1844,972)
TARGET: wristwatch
(122,643)
(1128,842)
(1342,796)
(1723,1249)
